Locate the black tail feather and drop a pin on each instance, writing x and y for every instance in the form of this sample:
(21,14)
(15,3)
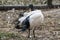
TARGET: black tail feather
(25,27)
(17,27)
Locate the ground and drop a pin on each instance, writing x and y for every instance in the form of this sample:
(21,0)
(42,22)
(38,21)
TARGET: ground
(49,30)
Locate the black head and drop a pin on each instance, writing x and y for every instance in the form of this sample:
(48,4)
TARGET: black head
(31,7)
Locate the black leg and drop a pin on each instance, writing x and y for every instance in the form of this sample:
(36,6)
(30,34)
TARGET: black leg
(29,33)
(34,32)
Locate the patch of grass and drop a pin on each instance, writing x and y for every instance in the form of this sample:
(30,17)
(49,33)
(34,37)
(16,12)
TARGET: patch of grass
(7,36)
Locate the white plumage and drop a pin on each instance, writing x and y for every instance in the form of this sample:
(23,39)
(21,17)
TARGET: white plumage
(36,17)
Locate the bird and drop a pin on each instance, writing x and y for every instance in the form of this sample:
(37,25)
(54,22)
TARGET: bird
(31,20)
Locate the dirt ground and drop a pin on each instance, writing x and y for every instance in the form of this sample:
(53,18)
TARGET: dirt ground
(49,30)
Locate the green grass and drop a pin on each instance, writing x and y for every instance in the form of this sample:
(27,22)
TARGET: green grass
(9,36)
